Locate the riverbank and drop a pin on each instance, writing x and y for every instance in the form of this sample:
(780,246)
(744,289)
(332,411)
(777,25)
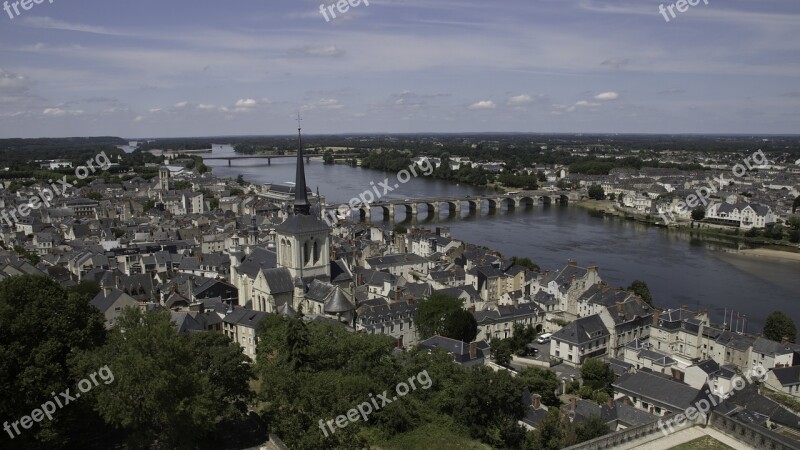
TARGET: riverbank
(774,252)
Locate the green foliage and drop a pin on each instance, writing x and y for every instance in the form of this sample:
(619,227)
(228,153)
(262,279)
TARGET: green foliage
(86,289)
(96,196)
(592,428)
(542,381)
(526,263)
(235,192)
(327,157)
(529,182)
(213,203)
(32,257)
(148,205)
(171,388)
(641,289)
(180,185)
(699,213)
(400,229)
(432,313)
(240,179)
(778,326)
(597,376)
(42,328)
(501,351)
(795,204)
(596,192)
(752,233)
(460,325)
(550,434)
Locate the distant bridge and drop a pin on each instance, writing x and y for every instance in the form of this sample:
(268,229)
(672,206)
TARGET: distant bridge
(455,205)
(269,158)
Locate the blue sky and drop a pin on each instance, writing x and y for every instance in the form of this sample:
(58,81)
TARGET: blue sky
(199,68)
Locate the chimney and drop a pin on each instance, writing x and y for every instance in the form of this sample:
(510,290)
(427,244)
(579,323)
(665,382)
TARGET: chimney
(785,340)
(619,308)
(627,401)
(610,402)
(656,315)
(397,294)
(573,404)
(537,403)
(361,279)
(572,262)
(473,350)
(684,306)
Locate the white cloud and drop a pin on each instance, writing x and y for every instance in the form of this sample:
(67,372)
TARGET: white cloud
(57,112)
(610,95)
(318,51)
(203,106)
(246,103)
(53,24)
(519,100)
(181,104)
(483,104)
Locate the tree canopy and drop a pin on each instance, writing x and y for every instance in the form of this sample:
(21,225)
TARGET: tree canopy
(640,288)
(445,316)
(778,326)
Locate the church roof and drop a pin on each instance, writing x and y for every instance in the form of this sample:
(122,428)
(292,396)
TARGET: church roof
(299,224)
(338,303)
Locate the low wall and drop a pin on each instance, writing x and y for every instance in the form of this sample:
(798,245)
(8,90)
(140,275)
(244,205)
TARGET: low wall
(752,435)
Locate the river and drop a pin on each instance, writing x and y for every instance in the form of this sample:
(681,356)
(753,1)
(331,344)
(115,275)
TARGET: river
(679,269)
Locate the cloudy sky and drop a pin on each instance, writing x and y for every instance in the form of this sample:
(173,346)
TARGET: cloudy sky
(150,68)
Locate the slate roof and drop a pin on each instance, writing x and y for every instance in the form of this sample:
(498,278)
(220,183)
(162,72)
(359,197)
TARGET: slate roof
(279,280)
(583,330)
(659,389)
(103,302)
(299,224)
(245,317)
(259,258)
(787,376)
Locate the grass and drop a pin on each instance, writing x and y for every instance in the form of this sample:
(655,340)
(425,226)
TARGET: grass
(703,443)
(432,437)
(783,399)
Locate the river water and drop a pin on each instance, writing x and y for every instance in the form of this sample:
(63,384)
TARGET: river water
(679,269)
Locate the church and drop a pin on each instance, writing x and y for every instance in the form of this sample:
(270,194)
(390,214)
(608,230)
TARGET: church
(299,276)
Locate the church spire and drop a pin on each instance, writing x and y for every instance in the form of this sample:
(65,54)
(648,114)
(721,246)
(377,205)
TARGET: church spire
(301,205)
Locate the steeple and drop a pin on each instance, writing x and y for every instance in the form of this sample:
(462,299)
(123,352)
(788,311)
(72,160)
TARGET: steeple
(301,205)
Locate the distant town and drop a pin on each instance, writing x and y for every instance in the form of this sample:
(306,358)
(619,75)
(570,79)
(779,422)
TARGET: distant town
(564,360)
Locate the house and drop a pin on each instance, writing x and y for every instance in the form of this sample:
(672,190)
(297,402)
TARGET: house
(395,319)
(584,338)
(111,302)
(769,354)
(785,380)
(499,323)
(656,394)
(241,326)
(626,321)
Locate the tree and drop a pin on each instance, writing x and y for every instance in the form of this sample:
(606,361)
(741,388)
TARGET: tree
(400,229)
(486,399)
(94,196)
(592,428)
(542,381)
(42,327)
(87,289)
(778,326)
(240,180)
(526,263)
(432,313)
(172,388)
(501,351)
(796,204)
(640,288)
(460,325)
(597,375)
(596,192)
(550,434)
(328,157)
(698,213)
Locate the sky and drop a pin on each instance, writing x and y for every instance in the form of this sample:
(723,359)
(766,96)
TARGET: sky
(174,68)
